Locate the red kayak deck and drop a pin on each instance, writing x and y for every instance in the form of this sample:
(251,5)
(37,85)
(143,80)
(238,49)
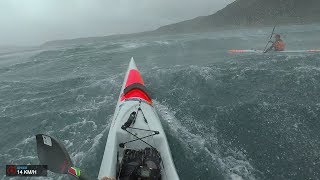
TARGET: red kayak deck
(134,87)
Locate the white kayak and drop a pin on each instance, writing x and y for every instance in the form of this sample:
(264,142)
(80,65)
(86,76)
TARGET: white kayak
(261,52)
(136,131)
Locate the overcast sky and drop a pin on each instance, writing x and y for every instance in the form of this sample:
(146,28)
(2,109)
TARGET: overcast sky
(32,22)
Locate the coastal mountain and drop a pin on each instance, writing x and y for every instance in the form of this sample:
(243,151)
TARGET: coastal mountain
(252,13)
(238,13)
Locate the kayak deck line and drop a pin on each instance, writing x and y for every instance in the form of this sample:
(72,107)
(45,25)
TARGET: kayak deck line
(131,120)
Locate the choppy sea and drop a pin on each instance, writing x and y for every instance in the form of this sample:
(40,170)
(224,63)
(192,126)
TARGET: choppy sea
(226,116)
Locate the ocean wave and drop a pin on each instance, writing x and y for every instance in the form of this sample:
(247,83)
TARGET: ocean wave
(163,42)
(231,166)
(133,45)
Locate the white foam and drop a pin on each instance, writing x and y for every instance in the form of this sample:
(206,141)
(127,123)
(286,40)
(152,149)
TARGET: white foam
(162,42)
(26,141)
(26,158)
(67,143)
(231,167)
(78,157)
(307,69)
(96,140)
(79,124)
(133,45)
(207,73)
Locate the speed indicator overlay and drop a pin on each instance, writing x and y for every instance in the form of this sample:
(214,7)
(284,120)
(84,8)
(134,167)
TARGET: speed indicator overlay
(26,170)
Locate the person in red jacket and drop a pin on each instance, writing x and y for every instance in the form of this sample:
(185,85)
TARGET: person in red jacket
(278,45)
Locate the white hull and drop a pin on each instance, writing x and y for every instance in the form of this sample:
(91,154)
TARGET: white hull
(113,152)
(261,52)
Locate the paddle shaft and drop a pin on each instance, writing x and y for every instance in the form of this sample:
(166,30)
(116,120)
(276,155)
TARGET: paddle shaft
(270,38)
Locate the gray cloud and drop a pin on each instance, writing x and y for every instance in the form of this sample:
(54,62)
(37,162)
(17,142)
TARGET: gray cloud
(30,22)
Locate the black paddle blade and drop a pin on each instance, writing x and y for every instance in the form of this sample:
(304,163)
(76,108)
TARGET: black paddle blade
(53,154)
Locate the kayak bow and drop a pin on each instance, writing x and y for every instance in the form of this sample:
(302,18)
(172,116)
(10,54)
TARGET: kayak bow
(134,85)
(136,128)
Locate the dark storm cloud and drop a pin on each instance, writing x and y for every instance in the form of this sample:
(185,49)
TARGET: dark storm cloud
(35,21)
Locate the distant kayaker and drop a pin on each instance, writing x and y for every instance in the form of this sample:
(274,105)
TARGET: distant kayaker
(277,45)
